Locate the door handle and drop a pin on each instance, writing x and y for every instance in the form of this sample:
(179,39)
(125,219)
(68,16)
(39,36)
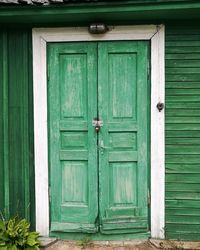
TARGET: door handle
(97,124)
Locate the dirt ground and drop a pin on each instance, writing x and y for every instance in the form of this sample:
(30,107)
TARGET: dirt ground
(129,245)
(123,245)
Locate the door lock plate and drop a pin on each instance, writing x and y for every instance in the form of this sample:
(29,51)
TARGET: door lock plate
(97,124)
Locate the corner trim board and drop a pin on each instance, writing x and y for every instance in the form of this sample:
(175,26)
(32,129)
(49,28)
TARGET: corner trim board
(41,36)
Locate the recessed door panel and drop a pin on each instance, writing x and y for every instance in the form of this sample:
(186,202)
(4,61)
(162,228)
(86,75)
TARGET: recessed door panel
(73,76)
(122,80)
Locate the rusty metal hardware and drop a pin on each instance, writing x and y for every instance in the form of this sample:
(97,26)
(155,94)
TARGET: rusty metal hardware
(160,106)
(97,124)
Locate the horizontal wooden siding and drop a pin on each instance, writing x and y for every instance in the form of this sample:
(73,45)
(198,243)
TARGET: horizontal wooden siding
(16,125)
(183,133)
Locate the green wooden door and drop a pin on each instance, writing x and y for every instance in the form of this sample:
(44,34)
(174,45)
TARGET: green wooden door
(72,100)
(99,180)
(122,96)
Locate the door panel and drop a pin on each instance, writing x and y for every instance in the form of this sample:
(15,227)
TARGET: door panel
(98,180)
(72,97)
(122,86)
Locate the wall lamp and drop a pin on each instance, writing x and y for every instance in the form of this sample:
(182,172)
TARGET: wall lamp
(98,28)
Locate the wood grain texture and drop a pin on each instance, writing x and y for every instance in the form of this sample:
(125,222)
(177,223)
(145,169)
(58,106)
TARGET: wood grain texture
(5,126)
(182,133)
(72,99)
(122,91)
(158,134)
(17,152)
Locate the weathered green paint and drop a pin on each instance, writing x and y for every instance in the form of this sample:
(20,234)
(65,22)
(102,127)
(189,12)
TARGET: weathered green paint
(182,132)
(72,90)
(122,88)
(16,125)
(101,237)
(112,86)
(4,81)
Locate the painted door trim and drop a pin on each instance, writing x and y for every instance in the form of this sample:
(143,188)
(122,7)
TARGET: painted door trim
(156,35)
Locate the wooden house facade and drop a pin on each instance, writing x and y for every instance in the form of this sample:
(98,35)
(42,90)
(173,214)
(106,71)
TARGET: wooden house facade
(100,117)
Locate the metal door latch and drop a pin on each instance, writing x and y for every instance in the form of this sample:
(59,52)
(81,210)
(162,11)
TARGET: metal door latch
(97,124)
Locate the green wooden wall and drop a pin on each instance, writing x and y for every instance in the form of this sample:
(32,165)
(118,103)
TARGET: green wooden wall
(16,125)
(183,132)
(182,128)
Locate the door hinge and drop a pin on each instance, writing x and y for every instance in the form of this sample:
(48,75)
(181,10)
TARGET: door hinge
(49,191)
(148,197)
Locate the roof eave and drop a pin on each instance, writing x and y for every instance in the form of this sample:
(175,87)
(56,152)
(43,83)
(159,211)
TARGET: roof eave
(61,14)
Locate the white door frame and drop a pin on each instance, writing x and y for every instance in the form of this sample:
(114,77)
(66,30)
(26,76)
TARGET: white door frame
(156,35)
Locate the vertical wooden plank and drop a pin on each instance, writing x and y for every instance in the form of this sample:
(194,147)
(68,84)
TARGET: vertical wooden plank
(40,135)
(15,89)
(143,109)
(25,119)
(31,129)
(1,126)
(5,128)
(2,201)
(157,135)
(103,93)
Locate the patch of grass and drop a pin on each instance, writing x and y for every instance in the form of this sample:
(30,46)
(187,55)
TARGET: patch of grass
(85,242)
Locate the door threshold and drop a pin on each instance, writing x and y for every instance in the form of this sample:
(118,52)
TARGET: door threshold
(100,237)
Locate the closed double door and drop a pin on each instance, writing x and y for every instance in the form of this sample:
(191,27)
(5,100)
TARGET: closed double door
(98,136)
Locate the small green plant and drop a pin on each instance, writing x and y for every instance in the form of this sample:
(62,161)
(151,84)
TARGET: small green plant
(85,242)
(15,235)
